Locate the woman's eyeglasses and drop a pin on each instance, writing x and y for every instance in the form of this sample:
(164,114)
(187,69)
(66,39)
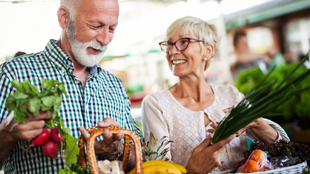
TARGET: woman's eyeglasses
(180,44)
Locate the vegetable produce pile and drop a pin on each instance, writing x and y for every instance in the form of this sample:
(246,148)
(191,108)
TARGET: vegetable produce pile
(74,169)
(283,148)
(252,107)
(256,162)
(294,107)
(55,137)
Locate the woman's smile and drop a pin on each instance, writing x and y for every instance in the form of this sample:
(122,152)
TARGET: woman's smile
(177,62)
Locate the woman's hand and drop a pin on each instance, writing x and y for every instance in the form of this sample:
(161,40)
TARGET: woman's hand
(253,124)
(205,158)
(263,131)
(111,145)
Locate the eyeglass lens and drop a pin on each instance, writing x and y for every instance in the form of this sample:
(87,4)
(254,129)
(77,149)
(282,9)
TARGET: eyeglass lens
(180,44)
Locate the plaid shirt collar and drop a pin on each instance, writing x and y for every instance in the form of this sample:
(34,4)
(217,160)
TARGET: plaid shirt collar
(63,61)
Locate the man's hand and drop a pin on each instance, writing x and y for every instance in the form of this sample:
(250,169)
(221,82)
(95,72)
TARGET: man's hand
(11,131)
(205,158)
(32,127)
(111,145)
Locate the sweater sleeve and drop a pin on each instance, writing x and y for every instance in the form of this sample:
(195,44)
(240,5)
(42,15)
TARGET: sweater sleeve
(153,120)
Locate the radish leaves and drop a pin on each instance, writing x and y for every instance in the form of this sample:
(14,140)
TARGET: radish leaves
(49,99)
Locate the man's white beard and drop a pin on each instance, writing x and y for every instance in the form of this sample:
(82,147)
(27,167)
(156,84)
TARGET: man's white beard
(79,49)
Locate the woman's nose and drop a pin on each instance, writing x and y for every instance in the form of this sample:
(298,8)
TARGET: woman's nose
(173,50)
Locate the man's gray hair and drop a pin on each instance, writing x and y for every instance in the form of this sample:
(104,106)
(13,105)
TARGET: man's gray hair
(71,5)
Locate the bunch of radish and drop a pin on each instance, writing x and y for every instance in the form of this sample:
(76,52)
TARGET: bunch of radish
(48,139)
(27,98)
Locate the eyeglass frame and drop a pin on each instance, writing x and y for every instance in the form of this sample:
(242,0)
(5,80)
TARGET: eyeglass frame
(174,43)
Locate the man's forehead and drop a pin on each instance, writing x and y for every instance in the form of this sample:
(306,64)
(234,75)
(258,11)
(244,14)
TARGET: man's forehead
(96,9)
(90,5)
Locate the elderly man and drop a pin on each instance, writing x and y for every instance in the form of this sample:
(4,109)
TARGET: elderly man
(96,97)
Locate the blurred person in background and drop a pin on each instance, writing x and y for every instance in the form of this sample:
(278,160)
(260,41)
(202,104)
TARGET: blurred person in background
(275,59)
(244,58)
(188,112)
(95,96)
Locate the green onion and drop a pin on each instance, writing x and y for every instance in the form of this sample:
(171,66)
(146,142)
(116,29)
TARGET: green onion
(251,108)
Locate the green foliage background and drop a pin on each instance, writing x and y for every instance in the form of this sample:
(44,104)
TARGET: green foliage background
(297,105)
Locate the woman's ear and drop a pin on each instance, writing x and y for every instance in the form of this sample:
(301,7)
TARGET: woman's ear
(63,17)
(208,52)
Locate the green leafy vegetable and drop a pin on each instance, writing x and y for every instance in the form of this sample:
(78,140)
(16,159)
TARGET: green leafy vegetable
(74,169)
(50,100)
(252,107)
(282,148)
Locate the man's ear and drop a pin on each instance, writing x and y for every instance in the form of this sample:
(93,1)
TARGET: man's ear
(63,17)
(208,52)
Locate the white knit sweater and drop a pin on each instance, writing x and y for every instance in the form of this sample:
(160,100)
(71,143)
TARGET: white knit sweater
(165,116)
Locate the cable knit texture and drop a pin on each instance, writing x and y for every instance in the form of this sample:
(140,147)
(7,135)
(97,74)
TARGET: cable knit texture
(165,116)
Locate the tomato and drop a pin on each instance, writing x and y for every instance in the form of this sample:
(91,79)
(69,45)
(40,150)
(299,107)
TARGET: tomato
(258,156)
(250,166)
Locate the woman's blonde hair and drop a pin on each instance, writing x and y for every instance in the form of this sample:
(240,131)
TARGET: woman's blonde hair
(188,24)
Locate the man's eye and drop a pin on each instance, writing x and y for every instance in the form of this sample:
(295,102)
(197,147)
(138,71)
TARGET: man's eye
(112,30)
(96,27)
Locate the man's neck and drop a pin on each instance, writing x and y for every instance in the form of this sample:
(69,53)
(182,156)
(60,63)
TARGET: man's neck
(80,71)
(82,77)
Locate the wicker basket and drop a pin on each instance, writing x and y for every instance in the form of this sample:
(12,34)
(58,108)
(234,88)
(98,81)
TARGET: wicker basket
(96,132)
(287,170)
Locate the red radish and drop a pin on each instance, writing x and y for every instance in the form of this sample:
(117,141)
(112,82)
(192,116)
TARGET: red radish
(41,139)
(50,149)
(55,135)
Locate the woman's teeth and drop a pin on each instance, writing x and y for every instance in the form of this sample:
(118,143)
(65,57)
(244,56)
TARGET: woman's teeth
(175,62)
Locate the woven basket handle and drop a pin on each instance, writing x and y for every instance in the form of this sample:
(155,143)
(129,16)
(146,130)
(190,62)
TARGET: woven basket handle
(96,132)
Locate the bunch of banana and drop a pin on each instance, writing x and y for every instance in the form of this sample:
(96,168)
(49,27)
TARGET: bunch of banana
(160,166)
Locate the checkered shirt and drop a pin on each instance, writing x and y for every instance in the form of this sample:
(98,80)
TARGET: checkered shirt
(103,96)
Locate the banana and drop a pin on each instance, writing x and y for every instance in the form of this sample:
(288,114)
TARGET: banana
(160,170)
(180,167)
(160,164)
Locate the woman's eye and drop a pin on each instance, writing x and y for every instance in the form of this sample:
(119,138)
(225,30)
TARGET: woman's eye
(184,41)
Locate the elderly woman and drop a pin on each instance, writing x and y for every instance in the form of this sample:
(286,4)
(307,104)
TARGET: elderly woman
(188,111)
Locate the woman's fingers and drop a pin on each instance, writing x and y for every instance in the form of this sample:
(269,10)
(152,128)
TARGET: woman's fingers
(210,130)
(213,125)
(227,110)
(202,145)
(221,144)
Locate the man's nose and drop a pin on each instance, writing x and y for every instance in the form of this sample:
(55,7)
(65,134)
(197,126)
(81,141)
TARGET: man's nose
(104,36)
